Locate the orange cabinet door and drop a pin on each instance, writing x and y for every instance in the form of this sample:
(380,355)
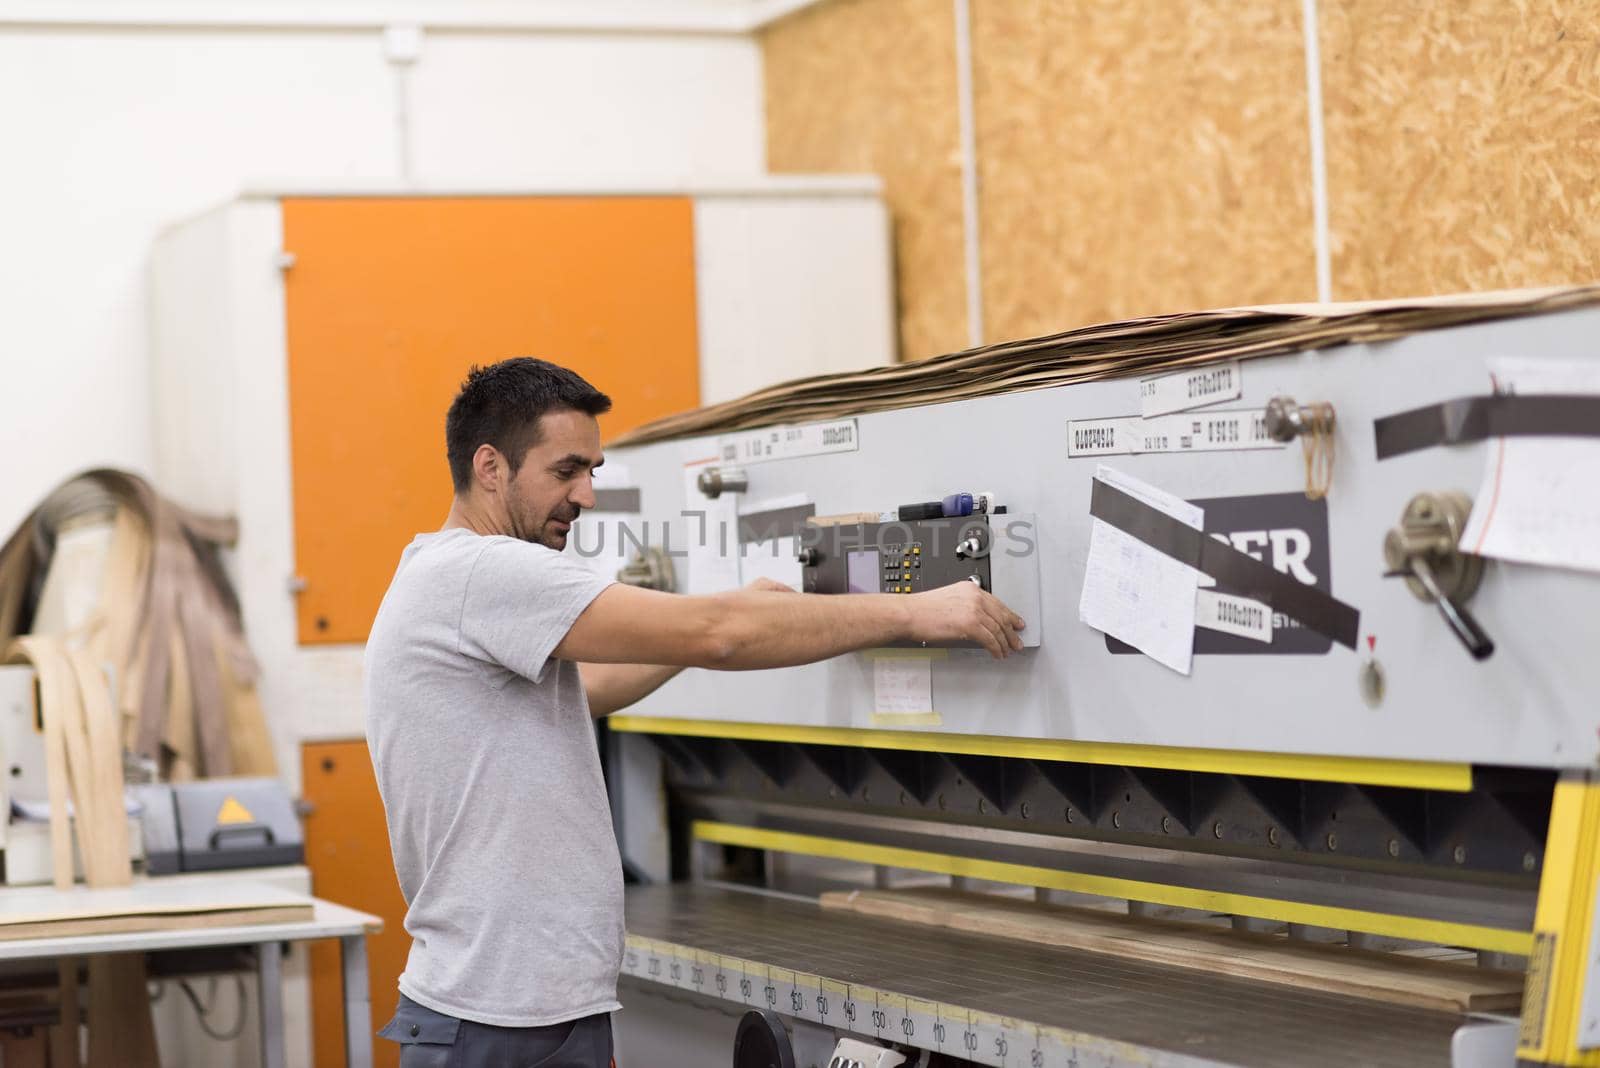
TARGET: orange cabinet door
(347,849)
(391,299)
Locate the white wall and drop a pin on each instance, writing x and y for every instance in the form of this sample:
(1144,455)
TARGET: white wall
(109,134)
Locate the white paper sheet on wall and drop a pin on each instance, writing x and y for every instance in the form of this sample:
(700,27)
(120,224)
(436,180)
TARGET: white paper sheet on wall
(710,530)
(1138,594)
(1540,498)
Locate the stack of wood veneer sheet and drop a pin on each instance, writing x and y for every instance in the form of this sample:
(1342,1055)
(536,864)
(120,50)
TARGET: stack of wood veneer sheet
(115,596)
(1438,985)
(1146,346)
(155,610)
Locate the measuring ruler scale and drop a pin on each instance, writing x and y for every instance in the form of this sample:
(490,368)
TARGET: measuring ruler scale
(982,1037)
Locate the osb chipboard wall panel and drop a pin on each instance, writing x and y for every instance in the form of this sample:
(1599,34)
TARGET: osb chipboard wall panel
(1139,156)
(870,85)
(1463,144)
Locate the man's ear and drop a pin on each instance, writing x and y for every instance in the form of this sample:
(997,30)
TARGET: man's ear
(488,468)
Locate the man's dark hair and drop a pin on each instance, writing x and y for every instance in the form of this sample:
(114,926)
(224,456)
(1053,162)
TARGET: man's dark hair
(500,405)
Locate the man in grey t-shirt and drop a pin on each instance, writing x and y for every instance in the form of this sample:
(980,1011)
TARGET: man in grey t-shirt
(489,656)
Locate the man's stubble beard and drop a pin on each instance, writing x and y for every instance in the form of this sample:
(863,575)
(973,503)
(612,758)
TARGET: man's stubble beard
(537,533)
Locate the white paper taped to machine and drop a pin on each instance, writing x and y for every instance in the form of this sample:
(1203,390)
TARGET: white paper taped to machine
(1136,593)
(1540,498)
(902,685)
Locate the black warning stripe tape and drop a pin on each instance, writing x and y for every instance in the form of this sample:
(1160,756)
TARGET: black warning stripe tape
(1234,571)
(775,523)
(1494,416)
(625,501)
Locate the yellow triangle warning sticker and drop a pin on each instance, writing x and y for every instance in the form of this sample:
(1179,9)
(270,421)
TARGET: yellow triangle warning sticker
(233,812)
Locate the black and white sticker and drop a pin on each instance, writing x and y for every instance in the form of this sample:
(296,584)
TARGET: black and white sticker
(1286,531)
(1233,615)
(1191,389)
(1209,432)
(788,442)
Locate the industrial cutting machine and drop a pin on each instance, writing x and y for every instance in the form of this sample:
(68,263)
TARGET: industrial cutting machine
(1298,767)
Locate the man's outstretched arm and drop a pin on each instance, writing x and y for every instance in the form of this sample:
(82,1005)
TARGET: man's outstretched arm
(749,629)
(613,687)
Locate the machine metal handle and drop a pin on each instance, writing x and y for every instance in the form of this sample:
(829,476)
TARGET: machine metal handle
(1460,621)
(242,829)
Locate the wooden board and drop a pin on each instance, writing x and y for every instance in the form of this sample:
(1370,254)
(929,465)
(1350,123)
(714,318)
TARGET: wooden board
(1423,984)
(870,85)
(121,1031)
(1138,157)
(153,897)
(166,921)
(64,1037)
(1461,141)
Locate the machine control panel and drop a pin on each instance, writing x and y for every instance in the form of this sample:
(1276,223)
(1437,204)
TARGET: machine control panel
(897,557)
(999,553)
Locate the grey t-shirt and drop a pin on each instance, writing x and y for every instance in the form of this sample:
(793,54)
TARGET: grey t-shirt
(486,760)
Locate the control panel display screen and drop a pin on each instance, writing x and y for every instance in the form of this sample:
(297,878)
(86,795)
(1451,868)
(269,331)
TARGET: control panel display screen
(861,571)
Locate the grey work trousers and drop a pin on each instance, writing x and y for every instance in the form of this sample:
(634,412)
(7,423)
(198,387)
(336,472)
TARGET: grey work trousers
(431,1039)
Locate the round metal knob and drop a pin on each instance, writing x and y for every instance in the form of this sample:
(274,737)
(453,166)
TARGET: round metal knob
(1285,421)
(715,481)
(649,569)
(1430,528)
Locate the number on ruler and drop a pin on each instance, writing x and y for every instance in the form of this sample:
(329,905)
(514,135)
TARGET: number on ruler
(744,989)
(772,994)
(796,1000)
(722,984)
(879,1019)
